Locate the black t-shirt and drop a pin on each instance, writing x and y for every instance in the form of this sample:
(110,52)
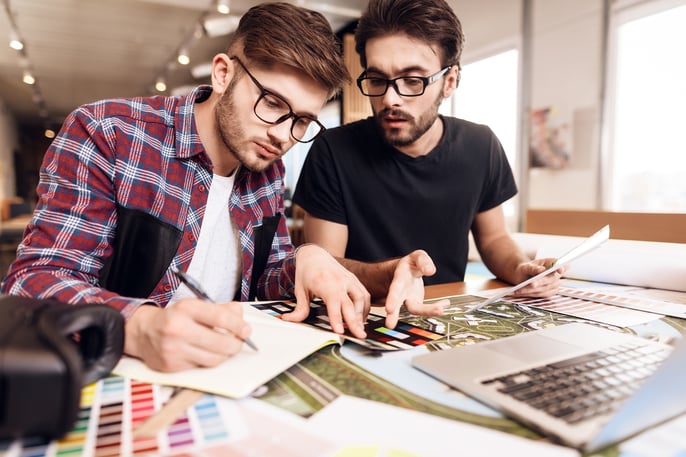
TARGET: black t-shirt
(394,204)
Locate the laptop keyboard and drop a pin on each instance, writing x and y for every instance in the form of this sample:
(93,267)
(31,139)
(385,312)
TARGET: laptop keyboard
(586,386)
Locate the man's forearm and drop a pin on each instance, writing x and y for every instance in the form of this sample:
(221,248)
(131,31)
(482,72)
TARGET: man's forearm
(502,258)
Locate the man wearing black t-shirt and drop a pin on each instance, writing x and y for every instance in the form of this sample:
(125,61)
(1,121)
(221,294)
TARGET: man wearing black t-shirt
(407,178)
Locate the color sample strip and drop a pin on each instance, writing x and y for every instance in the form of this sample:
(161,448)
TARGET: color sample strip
(633,302)
(212,425)
(180,433)
(142,407)
(108,435)
(424,333)
(73,443)
(392,333)
(587,309)
(34,447)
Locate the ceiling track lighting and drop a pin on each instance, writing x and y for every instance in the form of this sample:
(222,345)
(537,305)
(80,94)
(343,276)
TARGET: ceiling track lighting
(160,85)
(223,7)
(28,78)
(183,58)
(15,42)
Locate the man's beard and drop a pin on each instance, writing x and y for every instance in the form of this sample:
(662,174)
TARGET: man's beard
(232,134)
(417,127)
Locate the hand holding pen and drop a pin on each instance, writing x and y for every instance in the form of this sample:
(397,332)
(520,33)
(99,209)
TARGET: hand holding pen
(194,287)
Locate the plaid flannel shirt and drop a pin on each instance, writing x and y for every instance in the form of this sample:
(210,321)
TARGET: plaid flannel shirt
(142,154)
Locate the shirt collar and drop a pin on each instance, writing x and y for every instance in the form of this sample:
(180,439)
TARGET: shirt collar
(188,141)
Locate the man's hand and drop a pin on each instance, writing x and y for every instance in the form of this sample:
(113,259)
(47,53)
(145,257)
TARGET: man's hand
(191,334)
(319,275)
(547,286)
(407,287)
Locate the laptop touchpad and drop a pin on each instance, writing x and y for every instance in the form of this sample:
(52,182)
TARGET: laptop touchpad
(534,348)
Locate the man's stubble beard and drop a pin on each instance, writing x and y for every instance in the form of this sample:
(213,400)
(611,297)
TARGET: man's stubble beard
(418,126)
(230,131)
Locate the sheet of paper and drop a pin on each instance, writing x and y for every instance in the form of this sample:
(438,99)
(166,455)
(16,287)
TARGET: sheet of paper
(373,428)
(633,263)
(282,344)
(586,246)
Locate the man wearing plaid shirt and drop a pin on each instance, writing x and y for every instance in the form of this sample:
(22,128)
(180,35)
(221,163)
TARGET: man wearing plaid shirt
(132,189)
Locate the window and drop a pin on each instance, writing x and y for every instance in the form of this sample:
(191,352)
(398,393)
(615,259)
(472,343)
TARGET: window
(645,111)
(487,94)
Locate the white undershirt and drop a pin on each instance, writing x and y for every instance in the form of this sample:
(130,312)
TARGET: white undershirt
(216,262)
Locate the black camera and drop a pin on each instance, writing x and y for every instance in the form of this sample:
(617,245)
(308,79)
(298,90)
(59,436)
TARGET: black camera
(48,351)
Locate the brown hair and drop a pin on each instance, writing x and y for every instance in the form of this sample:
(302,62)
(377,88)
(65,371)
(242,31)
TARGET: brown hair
(431,21)
(281,33)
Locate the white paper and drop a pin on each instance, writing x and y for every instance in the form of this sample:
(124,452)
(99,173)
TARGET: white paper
(281,344)
(634,263)
(584,247)
(391,430)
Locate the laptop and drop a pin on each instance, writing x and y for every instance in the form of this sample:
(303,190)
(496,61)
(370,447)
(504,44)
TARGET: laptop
(580,385)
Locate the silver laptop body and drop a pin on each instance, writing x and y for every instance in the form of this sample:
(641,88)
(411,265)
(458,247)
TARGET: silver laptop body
(472,369)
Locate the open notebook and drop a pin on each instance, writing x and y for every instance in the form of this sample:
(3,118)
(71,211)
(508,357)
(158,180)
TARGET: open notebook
(581,385)
(281,344)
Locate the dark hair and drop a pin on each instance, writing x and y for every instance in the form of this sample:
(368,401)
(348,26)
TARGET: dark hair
(431,21)
(281,33)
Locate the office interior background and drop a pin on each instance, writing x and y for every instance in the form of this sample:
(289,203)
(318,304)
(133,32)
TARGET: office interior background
(587,97)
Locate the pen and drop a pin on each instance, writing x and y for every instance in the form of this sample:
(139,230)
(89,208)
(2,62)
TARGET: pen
(193,285)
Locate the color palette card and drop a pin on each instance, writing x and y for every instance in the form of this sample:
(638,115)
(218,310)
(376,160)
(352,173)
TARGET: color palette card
(670,303)
(588,309)
(112,409)
(379,337)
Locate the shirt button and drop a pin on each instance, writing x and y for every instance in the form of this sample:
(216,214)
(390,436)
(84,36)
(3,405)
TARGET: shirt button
(201,188)
(167,287)
(191,237)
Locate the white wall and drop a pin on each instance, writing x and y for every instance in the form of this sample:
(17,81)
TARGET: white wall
(488,25)
(566,75)
(8,144)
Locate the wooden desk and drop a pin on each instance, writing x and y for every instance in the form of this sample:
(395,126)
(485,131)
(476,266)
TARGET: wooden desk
(458,288)
(312,384)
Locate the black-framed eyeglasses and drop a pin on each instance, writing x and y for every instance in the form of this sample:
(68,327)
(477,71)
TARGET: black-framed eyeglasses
(273,109)
(407,86)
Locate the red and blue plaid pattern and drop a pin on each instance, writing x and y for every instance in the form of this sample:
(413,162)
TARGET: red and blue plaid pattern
(143,154)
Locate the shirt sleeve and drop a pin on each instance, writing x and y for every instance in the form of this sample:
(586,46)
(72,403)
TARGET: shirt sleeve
(500,184)
(71,232)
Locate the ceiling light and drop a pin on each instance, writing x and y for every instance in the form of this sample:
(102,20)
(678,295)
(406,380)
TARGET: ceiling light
(15,41)
(223,6)
(28,78)
(183,58)
(220,25)
(160,85)
(202,70)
